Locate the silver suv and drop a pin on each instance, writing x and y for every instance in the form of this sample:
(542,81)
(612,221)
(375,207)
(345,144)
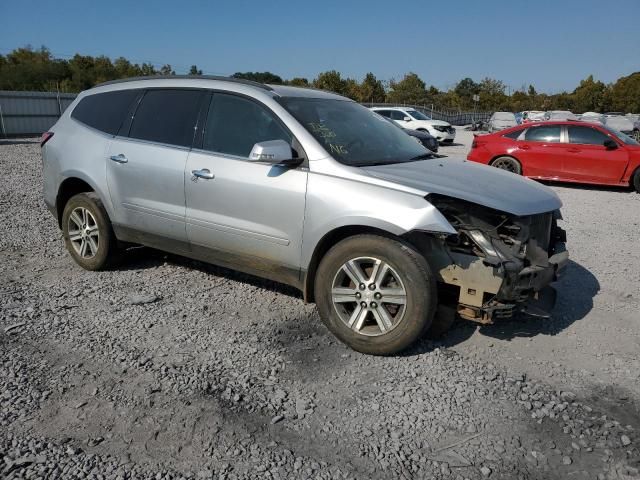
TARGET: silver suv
(306,188)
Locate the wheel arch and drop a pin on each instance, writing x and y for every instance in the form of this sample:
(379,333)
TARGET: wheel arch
(77,182)
(330,239)
(338,234)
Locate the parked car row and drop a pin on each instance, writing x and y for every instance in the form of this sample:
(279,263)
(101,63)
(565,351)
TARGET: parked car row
(570,151)
(412,119)
(307,188)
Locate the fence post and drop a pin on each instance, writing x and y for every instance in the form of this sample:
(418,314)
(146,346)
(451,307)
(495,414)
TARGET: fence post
(58,98)
(4,132)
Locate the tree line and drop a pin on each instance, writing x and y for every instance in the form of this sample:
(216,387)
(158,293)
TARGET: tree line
(37,69)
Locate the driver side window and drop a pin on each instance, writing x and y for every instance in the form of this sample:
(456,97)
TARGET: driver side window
(235,124)
(398,115)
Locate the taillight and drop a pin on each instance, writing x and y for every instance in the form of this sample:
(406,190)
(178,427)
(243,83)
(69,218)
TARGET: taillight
(46,136)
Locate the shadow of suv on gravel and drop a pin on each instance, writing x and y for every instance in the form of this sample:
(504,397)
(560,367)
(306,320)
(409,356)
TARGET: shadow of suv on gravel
(304,187)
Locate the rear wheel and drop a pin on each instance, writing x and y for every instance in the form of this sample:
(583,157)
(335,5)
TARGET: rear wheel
(507,163)
(87,232)
(375,294)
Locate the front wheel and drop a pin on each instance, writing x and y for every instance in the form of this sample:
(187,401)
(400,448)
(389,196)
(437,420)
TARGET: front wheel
(635,180)
(507,163)
(375,294)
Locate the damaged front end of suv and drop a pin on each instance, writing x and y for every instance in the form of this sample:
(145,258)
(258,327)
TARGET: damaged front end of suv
(497,263)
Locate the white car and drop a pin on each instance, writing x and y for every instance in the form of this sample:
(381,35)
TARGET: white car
(592,117)
(559,115)
(412,119)
(620,123)
(501,120)
(532,116)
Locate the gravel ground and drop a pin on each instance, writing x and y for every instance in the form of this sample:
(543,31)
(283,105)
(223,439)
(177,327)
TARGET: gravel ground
(170,368)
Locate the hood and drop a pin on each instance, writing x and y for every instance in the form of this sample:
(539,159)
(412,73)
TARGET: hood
(473,182)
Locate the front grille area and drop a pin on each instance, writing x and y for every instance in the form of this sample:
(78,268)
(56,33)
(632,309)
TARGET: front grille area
(539,238)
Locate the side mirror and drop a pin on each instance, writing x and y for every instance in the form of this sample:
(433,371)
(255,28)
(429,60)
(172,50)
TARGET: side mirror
(406,119)
(273,152)
(610,144)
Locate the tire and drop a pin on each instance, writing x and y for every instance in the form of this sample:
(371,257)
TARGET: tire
(91,243)
(507,163)
(382,327)
(635,180)
(443,320)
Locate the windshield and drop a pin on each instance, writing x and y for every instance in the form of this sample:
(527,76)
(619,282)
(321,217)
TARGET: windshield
(418,115)
(625,138)
(353,134)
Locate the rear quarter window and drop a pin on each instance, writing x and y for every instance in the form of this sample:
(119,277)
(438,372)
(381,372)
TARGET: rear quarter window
(513,135)
(105,111)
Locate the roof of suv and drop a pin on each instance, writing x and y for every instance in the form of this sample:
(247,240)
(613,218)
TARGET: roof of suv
(189,80)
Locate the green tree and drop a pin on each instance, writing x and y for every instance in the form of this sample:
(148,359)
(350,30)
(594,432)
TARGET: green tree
(371,89)
(590,96)
(194,70)
(298,82)
(166,70)
(147,69)
(624,95)
(260,77)
(411,89)
(331,81)
(465,89)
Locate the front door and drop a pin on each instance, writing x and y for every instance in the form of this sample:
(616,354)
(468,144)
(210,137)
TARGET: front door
(247,215)
(145,166)
(588,160)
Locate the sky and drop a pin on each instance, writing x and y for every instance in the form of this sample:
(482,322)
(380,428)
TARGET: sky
(550,44)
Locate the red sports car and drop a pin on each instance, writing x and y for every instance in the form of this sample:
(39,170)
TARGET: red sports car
(569,151)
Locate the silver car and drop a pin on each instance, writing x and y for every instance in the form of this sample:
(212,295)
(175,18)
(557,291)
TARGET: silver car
(306,188)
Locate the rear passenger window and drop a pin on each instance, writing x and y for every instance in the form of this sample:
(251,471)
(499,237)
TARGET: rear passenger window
(235,124)
(586,136)
(550,134)
(384,113)
(167,116)
(513,135)
(105,111)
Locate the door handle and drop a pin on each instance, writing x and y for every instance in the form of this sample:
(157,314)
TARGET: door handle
(120,158)
(574,150)
(203,173)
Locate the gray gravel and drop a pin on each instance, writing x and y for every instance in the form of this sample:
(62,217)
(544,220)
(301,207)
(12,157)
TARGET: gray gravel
(170,368)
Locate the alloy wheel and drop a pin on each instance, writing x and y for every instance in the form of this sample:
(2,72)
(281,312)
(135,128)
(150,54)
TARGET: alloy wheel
(369,296)
(506,164)
(84,234)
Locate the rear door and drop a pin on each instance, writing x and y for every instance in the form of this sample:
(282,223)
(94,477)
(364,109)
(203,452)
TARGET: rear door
(245,215)
(587,158)
(146,162)
(540,152)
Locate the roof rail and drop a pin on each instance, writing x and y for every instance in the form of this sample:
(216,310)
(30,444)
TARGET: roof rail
(189,77)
